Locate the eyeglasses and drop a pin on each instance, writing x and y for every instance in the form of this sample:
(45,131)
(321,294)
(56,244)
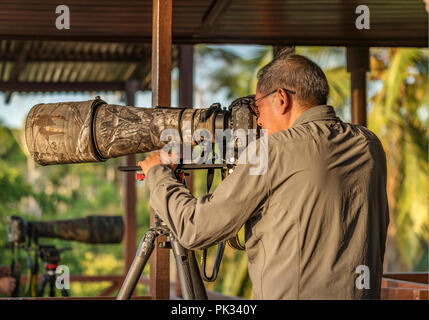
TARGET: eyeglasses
(253,105)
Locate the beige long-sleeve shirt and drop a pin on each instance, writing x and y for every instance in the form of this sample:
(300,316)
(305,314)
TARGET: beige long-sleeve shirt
(316,221)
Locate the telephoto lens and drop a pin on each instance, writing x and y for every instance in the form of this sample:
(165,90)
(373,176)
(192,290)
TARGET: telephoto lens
(94,131)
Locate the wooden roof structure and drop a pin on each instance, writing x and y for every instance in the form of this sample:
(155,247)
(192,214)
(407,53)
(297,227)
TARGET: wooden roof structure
(108,42)
(271,22)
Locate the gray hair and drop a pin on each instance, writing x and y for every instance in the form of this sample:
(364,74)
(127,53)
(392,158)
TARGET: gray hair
(295,72)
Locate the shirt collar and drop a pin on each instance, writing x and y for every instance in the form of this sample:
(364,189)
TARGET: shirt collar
(322,112)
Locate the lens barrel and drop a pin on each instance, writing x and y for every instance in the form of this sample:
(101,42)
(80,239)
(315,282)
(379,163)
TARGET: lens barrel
(94,131)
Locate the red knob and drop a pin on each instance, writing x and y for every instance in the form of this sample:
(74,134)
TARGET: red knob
(140,176)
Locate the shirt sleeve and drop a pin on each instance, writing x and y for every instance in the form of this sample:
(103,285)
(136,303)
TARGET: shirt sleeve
(201,222)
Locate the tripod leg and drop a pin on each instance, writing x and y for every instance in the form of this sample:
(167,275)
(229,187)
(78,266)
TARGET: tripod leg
(52,285)
(183,269)
(42,286)
(64,292)
(143,253)
(16,274)
(189,274)
(197,281)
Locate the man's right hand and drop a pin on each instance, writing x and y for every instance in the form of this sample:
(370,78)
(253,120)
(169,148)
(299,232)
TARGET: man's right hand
(7,285)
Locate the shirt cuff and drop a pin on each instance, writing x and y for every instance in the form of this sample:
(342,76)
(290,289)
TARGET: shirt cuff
(156,174)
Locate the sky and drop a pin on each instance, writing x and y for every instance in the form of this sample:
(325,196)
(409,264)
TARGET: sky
(14,113)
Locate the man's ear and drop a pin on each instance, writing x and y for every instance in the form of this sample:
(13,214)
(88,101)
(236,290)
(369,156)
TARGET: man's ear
(284,101)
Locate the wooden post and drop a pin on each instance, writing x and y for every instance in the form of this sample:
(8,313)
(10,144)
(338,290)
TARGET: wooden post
(186,83)
(161,93)
(186,99)
(186,76)
(130,247)
(358,65)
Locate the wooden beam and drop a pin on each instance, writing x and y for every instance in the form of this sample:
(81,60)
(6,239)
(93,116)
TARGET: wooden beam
(186,85)
(161,52)
(2,69)
(19,65)
(186,76)
(78,57)
(214,13)
(186,99)
(418,40)
(84,278)
(161,95)
(403,294)
(419,277)
(62,86)
(358,65)
(130,242)
(394,283)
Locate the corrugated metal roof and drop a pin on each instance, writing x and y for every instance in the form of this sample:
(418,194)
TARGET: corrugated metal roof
(28,65)
(46,61)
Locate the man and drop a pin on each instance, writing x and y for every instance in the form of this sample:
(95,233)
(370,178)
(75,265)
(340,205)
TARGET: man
(7,283)
(316,221)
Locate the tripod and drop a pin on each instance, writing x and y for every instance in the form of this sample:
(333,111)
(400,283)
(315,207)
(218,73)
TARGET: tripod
(189,276)
(51,257)
(191,281)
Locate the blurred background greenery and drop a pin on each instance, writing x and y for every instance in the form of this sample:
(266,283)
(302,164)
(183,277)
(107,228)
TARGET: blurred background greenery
(397,113)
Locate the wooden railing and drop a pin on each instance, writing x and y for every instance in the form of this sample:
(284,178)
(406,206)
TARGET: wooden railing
(116,283)
(405,286)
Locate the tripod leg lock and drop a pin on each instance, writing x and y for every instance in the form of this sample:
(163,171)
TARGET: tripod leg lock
(146,245)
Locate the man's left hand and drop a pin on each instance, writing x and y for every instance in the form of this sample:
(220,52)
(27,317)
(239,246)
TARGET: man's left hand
(158,157)
(7,285)
(4,271)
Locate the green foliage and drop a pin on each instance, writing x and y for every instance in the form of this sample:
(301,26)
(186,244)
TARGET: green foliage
(96,265)
(9,149)
(235,75)
(399,118)
(332,61)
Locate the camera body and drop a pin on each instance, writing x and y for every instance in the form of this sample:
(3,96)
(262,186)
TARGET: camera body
(17,230)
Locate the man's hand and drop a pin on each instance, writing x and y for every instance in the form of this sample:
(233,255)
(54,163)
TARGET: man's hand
(7,285)
(4,271)
(159,157)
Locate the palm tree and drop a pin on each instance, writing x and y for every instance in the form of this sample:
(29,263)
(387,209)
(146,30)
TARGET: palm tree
(399,118)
